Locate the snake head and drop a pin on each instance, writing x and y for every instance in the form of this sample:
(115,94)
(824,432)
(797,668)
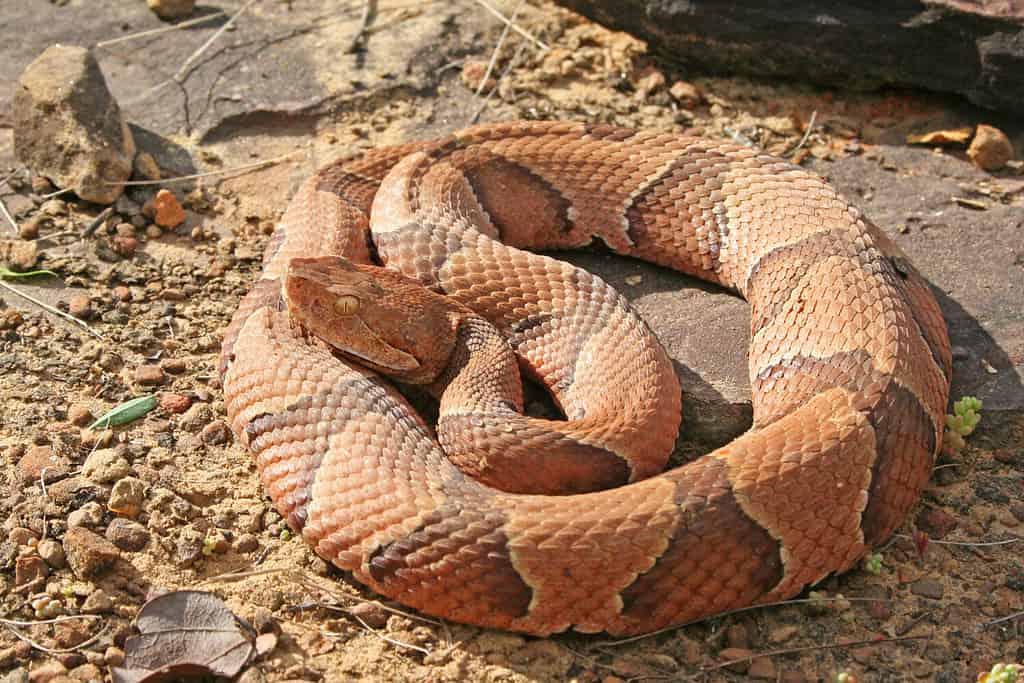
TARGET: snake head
(377,317)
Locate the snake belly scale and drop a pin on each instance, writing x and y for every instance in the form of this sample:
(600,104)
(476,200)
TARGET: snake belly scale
(849,364)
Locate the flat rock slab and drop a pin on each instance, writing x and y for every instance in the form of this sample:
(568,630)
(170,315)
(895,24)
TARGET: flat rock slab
(975,49)
(284,60)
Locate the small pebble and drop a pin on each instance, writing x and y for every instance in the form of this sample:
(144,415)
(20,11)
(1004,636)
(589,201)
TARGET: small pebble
(80,415)
(165,210)
(196,417)
(52,553)
(174,404)
(373,614)
(105,466)
(127,535)
(97,602)
(90,514)
(125,246)
(928,588)
(80,307)
(126,497)
(216,433)
(174,366)
(149,375)
(990,149)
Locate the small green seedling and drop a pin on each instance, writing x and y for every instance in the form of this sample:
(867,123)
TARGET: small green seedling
(966,416)
(873,563)
(1003,673)
(8,274)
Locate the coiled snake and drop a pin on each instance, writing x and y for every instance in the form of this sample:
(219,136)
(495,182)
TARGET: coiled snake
(849,364)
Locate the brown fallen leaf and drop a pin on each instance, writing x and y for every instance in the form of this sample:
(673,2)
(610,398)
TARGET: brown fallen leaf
(956,136)
(185,635)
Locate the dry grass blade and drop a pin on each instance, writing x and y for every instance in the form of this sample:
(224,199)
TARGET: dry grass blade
(511,24)
(195,176)
(47,307)
(158,31)
(211,40)
(9,217)
(11,626)
(369,12)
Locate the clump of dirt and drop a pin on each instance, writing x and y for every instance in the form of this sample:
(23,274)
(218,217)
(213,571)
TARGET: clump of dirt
(98,520)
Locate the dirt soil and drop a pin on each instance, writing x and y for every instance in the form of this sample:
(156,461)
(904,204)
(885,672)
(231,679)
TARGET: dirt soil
(182,501)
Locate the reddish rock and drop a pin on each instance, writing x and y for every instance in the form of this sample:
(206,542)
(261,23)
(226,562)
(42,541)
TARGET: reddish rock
(40,459)
(149,375)
(80,306)
(29,568)
(165,210)
(762,668)
(736,653)
(936,522)
(174,404)
(88,554)
(80,415)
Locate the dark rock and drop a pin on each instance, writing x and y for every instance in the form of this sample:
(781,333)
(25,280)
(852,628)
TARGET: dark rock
(936,522)
(928,588)
(945,45)
(68,127)
(127,535)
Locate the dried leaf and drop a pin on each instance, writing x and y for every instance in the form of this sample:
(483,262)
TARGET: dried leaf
(957,136)
(128,411)
(184,634)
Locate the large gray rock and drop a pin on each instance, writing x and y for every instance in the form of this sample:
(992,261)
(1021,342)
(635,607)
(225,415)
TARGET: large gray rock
(69,128)
(975,49)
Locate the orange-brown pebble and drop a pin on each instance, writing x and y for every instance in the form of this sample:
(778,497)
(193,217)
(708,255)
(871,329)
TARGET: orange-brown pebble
(990,149)
(686,94)
(166,210)
(175,404)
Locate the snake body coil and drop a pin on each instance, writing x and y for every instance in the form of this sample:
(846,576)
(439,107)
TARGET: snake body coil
(849,365)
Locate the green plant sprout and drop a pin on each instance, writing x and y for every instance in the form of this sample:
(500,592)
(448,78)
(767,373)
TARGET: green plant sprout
(966,416)
(1003,673)
(873,563)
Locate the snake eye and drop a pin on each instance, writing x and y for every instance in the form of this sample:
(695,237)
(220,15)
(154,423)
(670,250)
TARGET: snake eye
(346,304)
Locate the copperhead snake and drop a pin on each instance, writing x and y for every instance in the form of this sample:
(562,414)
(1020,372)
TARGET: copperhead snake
(849,364)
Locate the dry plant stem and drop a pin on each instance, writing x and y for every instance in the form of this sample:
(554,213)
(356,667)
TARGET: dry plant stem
(6,178)
(509,22)
(55,620)
(497,51)
(807,133)
(47,307)
(797,650)
(95,223)
(9,217)
(195,176)
(386,639)
(55,651)
(968,544)
(508,67)
(369,12)
(179,75)
(158,31)
(1000,620)
(57,193)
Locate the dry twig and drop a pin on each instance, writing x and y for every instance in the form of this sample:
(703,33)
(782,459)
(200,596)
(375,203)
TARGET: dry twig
(9,217)
(158,31)
(359,39)
(237,169)
(56,311)
(509,23)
